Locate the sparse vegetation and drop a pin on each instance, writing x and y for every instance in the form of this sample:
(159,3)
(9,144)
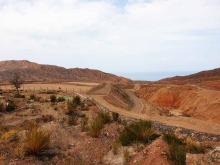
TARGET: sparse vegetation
(53,98)
(178,148)
(105,117)
(36,141)
(115,116)
(95,127)
(60,99)
(115,147)
(10,106)
(16,81)
(126,156)
(84,124)
(138,132)
(34,97)
(72,120)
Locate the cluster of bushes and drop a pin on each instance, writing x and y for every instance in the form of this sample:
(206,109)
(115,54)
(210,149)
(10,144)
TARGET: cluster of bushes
(141,131)
(178,148)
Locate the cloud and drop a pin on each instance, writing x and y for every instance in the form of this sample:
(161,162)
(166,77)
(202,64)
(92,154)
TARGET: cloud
(125,36)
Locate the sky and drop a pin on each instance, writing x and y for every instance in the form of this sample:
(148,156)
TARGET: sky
(134,38)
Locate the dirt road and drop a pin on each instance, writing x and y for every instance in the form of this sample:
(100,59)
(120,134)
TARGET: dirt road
(179,121)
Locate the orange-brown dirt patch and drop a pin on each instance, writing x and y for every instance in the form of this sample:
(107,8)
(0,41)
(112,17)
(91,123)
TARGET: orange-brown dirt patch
(189,100)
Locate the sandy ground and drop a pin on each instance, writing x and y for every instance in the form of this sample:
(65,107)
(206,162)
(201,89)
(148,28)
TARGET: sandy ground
(79,87)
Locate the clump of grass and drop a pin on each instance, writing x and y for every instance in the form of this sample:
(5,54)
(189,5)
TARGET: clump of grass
(34,97)
(36,141)
(60,99)
(53,98)
(115,147)
(115,116)
(95,127)
(72,120)
(105,117)
(178,148)
(84,124)
(141,131)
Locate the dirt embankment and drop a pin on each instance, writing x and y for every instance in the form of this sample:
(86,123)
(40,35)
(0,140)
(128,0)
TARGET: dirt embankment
(113,94)
(188,100)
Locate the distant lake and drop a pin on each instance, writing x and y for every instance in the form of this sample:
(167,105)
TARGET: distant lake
(153,76)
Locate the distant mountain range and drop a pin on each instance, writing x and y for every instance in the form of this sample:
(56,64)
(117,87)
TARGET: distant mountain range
(30,71)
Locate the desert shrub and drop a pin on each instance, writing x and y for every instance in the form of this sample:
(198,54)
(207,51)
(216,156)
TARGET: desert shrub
(53,98)
(36,141)
(126,155)
(141,131)
(194,147)
(172,139)
(95,127)
(115,147)
(18,95)
(177,149)
(72,120)
(84,124)
(34,97)
(105,117)
(178,153)
(60,99)
(10,106)
(115,116)
(77,100)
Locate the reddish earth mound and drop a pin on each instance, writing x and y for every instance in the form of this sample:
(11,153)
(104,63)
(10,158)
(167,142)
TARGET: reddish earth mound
(188,100)
(30,71)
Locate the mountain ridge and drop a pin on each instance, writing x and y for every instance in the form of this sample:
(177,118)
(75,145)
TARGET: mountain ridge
(31,71)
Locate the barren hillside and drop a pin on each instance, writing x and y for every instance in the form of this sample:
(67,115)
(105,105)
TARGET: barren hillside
(209,79)
(30,71)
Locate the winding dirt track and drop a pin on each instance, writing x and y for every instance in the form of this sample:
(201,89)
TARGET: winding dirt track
(139,105)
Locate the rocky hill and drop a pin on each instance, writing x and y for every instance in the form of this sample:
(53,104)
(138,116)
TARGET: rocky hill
(30,71)
(209,79)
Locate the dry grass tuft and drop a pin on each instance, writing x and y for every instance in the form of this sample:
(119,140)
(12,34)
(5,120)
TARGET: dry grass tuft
(36,141)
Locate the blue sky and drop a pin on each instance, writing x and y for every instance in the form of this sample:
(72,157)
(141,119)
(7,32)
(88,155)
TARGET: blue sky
(132,37)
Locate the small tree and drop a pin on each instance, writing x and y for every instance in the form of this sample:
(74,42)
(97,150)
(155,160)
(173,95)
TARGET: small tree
(17,82)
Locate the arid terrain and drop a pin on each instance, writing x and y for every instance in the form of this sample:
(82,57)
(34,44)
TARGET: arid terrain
(98,118)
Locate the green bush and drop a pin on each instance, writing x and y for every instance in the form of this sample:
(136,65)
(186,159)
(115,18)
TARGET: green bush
(96,127)
(105,117)
(60,99)
(172,139)
(76,100)
(178,153)
(53,98)
(10,106)
(141,131)
(115,116)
